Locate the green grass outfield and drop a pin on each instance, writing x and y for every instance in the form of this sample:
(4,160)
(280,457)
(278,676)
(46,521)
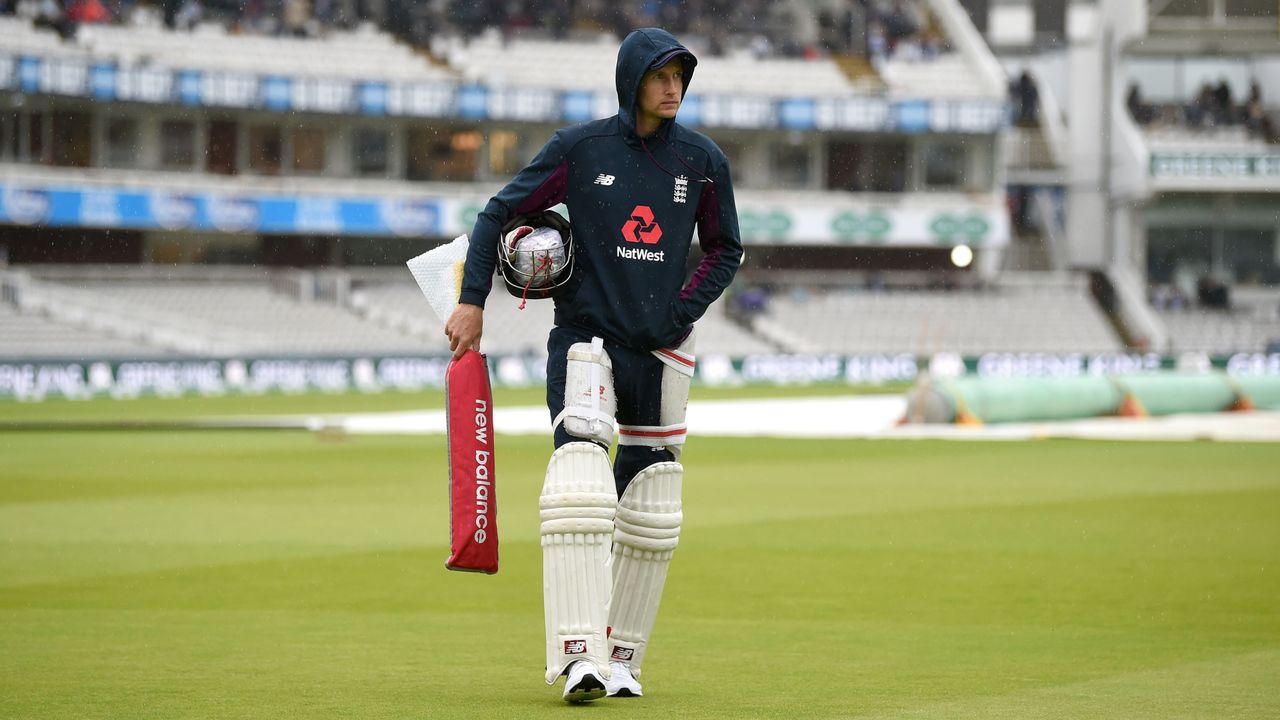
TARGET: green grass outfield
(276,575)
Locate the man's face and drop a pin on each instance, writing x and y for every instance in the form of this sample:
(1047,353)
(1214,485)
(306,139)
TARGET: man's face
(661,91)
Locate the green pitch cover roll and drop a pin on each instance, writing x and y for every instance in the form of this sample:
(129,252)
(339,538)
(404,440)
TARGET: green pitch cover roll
(473,503)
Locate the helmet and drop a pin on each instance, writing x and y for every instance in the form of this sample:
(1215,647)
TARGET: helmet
(535,255)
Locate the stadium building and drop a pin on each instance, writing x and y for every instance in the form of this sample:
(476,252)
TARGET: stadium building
(224,201)
(1180,209)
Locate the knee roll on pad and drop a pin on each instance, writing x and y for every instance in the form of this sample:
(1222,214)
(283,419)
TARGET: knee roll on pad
(577,509)
(647,531)
(589,401)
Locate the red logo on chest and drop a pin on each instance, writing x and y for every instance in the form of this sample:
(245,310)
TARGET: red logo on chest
(642,228)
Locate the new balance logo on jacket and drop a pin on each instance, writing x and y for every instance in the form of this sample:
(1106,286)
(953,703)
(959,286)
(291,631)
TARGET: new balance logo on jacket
(604,179)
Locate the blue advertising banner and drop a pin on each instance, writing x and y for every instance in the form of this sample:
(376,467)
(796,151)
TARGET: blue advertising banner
(163,210)
(107,82)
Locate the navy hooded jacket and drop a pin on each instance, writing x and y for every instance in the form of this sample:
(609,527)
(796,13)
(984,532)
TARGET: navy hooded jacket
(633,204)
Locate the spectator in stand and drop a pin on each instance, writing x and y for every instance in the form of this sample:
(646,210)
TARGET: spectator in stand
(49,14)
(749,303)
(932,43)
(877,44)
(296,14)
(1027,99)
(189,15)
(1200,112)
(1254,116)
(1223,109)
(900,21)
(856,22)
(1142,112)
(908,49)
(88,12)
(830,39)
(1270,131)
(1212,293)
(795,28)
(1257,123)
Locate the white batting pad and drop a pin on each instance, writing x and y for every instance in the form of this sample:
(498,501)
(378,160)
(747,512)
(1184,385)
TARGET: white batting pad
(439,275)
(577,505)
(647,530)
(677,374)
(589,402)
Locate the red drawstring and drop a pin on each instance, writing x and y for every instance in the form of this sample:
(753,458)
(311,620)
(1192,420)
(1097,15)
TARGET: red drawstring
(545,261)
(664,169)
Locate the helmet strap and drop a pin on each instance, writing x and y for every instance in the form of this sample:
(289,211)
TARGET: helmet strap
(541,266)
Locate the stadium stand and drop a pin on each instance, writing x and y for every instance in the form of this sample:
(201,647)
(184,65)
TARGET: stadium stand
(209,311)
(363,53)
(33,335)
(1007,317)
(948,75)
(399,305)
(21,36)
(139,312)
(889,50)
(789,28)
(1251,324)
(522,62)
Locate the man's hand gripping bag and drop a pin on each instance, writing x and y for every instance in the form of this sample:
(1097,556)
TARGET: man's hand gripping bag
(473,504)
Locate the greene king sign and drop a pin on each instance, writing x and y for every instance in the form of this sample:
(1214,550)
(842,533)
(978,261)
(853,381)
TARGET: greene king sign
(1215,165)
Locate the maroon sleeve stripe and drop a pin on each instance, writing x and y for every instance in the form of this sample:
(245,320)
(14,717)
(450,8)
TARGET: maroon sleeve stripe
(551,192)
(708,218)
(708,239)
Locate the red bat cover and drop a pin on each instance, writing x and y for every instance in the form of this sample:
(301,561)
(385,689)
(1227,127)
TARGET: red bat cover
(473,505)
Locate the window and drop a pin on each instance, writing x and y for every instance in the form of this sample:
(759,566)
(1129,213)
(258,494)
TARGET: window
(265,149)
(789,165)
(72,139)
(1179,256)
(735,154)
(504,153)
(867,166)
(308,151)
(9,143)
(371,150)
(1051,19)
(1186,8)
(37,133)
(1252,9)
(446,155)
(177,144)
(1250,257)
(121,137)
(943,166)
(221,145)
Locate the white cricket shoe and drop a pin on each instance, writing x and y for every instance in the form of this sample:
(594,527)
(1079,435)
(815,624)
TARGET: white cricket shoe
(584,683)
(621,683)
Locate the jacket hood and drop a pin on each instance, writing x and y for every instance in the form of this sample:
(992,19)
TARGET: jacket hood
(640,50)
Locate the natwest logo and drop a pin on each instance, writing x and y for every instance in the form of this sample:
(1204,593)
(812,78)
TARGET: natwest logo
(642,228)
